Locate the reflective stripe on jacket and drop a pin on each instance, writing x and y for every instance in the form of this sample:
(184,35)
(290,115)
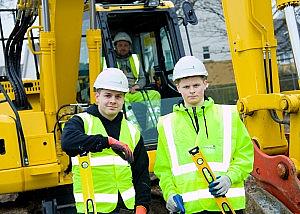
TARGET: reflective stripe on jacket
(110,172)
(134,65)
(228,150)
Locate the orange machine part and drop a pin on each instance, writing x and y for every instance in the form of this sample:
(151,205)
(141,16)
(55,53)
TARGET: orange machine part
(277,174)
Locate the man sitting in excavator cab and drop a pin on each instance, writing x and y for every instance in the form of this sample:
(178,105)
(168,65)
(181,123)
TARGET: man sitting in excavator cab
(139,100)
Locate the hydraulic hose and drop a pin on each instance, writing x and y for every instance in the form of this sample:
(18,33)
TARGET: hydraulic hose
(12,55)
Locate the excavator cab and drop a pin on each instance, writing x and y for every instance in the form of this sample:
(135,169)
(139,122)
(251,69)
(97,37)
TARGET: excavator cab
(156,41)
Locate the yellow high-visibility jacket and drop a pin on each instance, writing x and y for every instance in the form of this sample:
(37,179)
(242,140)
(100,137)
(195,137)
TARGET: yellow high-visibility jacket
(222,139)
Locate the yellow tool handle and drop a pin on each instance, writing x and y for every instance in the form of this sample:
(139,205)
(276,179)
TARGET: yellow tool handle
(209,176)
(87,184)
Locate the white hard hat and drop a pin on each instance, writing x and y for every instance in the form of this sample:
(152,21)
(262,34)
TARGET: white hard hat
(189,66)
(122,36)
(112,79)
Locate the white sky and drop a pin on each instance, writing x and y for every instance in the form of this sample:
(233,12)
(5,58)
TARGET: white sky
(8,23)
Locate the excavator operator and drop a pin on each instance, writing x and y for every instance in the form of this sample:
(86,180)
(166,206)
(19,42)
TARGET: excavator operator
(130,64)
(120,176)
(219,133)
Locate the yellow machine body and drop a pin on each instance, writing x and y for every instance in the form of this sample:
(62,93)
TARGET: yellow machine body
(253,50)
(251,36)
(271,116)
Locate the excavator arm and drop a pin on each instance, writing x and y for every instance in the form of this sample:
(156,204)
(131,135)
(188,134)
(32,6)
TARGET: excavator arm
(267,112)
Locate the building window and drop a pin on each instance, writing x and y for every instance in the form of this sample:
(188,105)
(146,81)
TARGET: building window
(206,54)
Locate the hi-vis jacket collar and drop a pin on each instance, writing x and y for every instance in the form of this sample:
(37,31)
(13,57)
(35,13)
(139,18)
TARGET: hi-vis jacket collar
(208,102)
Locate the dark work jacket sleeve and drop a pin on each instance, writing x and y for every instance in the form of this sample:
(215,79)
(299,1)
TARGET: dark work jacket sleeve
(75,141)
(140,174)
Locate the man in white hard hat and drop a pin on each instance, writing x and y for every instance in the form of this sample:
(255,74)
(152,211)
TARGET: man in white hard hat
(219,133)
(119,160)
(130,64)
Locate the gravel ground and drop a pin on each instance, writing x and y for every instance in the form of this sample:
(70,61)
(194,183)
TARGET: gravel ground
(258,202)
(11,203)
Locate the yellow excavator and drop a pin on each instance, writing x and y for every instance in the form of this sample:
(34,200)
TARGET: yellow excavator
(73,37)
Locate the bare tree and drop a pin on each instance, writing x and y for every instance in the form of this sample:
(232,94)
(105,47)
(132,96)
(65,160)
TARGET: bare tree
(7,3)
(210,17)
(212,21)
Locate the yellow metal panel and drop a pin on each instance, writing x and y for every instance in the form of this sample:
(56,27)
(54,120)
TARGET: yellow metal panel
(45,169)
(280,102)
(67,28)
(49,92)
(260,125)
(35,179)
(41,149)
(5,108)
(12,180)
(33,123)
(34,101)
(32,89)
(294,146)
(93,38)
(11,158)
